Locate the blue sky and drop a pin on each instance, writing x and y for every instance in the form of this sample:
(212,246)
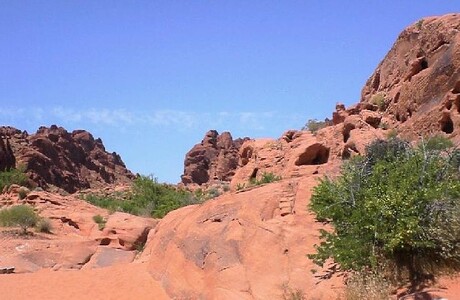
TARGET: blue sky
(151,77)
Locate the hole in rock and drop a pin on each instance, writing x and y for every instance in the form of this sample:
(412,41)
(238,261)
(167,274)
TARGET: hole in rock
(315,154)
(397,97)
(423,64)
(347,128)
(447,125)
(409,112)
(105,242)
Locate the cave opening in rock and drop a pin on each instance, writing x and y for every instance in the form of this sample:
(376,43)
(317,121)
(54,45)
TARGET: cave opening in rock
(447,125)
(424,64)
(316,154)
(254,174)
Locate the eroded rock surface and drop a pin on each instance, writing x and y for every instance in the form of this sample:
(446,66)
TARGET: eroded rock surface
(416,87)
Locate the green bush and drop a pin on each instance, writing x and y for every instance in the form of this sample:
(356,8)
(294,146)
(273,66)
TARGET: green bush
(148,198)
(396,207)
(23,192)
(13,176)
(160,198)
(379,100)
(267,177)
(22,216)
(314,125)
(44,225)
(100,221)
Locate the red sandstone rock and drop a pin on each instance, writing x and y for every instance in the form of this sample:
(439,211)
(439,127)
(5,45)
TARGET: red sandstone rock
(55,157)
(419,79)
(214,159)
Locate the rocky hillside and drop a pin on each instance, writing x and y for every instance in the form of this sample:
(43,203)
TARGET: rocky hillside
(67,160)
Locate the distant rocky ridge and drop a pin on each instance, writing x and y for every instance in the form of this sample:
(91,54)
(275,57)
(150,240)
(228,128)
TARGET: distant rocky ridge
(67,160)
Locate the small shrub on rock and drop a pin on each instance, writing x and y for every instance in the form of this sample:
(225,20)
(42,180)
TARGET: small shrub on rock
(23,192)
(100,221)
(44,225)
(22,216)
(314,125)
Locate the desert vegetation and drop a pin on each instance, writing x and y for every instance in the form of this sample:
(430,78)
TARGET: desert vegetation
(314,125)
(147,198)
(13,176)
(22,216)
(267,177)
(394,212)
(100,221)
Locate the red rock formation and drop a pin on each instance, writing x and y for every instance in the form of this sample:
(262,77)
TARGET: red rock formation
(70,161)
(215,158)
(7,159)
(417,84)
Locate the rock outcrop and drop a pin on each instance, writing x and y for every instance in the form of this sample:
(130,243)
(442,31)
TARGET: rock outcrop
(214,159)
(67,160)
(417,85)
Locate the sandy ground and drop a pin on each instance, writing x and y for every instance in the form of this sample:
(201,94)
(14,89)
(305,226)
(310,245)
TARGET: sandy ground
(131,281)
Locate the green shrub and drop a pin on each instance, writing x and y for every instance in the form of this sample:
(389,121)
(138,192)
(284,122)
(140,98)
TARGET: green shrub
(163,198)
(397,206)
(148,198)
(268,177)
(23,192)
(213,193)
(379,100)
(13,176)
(240,186)
(44,225)
(226,188)
(100,221)
(419,24)
(314,125)
(22,216)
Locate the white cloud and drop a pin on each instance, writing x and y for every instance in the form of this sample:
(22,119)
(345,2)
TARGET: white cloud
(165,118)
